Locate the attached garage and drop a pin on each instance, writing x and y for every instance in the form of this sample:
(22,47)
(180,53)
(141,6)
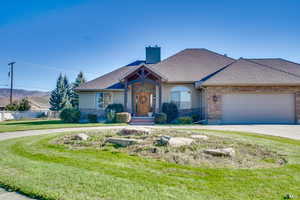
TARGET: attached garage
(247,108)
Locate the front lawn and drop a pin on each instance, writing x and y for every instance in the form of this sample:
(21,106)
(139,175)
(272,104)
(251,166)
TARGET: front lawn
(42,167)
(9,126)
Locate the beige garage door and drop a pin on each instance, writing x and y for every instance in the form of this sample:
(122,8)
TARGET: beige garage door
(258,108)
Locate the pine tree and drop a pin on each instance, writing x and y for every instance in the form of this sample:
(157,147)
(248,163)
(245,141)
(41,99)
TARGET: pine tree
(79,80)
(57,95)
(66,93)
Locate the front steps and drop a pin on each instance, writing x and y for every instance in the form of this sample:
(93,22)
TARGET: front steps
(142,121)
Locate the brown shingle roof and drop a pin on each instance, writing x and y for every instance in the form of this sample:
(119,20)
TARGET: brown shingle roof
(191,65)
(247,72)
(107,81)
(280,64)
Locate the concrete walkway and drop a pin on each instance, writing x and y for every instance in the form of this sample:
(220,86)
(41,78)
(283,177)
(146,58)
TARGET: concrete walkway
(289,131)
(5,195)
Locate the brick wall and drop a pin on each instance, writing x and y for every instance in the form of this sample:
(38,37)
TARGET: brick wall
(214,108)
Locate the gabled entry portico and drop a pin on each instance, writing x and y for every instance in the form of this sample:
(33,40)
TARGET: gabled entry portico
(146,86)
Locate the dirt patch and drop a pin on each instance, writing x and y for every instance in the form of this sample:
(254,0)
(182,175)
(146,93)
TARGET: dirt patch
(247,155)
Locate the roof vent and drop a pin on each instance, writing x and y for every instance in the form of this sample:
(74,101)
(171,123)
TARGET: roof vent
(152,54)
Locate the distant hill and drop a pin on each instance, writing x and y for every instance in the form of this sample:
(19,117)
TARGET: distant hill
(39,100)
(20,93)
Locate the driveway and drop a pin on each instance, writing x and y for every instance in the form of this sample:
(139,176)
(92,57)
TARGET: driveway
(288,131)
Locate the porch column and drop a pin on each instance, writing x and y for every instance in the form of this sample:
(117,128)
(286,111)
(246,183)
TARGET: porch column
(159,95)
(125,95)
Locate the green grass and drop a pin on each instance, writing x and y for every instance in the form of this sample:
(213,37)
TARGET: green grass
(9,126)
(36,167)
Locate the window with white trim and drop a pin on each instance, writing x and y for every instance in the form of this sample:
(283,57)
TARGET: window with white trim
(181,96)
(103,99)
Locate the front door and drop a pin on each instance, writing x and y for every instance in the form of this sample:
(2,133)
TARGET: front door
(142,103)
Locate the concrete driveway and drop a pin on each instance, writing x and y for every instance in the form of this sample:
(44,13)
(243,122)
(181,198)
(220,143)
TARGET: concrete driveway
(288,131)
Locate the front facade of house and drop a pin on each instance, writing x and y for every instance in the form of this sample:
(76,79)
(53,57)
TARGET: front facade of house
(220,89)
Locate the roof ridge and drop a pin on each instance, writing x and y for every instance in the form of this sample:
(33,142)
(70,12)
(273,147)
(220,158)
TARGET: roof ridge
(289,61)
(216,53)
(262,58)
(275,69)
(216,72)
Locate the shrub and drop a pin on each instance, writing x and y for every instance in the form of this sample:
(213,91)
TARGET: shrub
(184,120)
(171,111)
(42,115)
(70,115)
(14,106)
(196,117)
(115,107)
(24,105)
(123,117)
(111,116)
(93,118)
(110,111)
(160,118)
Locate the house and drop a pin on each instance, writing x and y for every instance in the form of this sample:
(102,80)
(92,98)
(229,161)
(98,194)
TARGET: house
(221,89)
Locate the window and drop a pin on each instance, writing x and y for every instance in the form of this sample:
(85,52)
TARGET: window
(181,96)
(103,99)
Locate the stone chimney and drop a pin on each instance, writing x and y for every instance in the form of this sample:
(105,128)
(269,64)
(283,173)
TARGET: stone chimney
(152,54)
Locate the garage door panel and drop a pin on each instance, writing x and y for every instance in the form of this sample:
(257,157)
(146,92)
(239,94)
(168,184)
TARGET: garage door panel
(258,108)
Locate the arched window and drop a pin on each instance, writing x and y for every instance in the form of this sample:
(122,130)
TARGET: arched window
(181,96)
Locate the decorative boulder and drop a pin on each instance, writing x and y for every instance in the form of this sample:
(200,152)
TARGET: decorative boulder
(200,137)
(134,131)
(226,152)
(81,136)
(163,140)
(180,141)
(124,142)
(174,141)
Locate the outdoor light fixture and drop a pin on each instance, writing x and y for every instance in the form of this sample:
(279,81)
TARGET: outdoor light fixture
(215,98)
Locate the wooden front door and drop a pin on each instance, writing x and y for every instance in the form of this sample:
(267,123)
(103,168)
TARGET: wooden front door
(142,103)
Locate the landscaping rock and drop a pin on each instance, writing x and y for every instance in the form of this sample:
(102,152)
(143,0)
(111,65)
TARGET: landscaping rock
(81,136)
(134,131)
(179,141)
(174,141)
(124,142)
(163,140)
(226,152)
(201,137)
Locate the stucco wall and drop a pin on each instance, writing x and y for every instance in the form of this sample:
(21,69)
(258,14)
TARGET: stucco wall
(195,94)
(213,111)
(87,100)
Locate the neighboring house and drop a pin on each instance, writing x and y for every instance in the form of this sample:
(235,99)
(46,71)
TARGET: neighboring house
(223,90)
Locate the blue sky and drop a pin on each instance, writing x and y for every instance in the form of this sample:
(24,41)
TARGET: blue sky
(96,36)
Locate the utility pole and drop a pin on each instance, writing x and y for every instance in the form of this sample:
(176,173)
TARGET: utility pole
(11,79)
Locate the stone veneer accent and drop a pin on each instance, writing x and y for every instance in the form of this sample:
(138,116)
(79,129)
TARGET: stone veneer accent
(214,109)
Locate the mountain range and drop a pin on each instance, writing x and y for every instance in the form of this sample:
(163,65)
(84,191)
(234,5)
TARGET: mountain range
(39,99)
